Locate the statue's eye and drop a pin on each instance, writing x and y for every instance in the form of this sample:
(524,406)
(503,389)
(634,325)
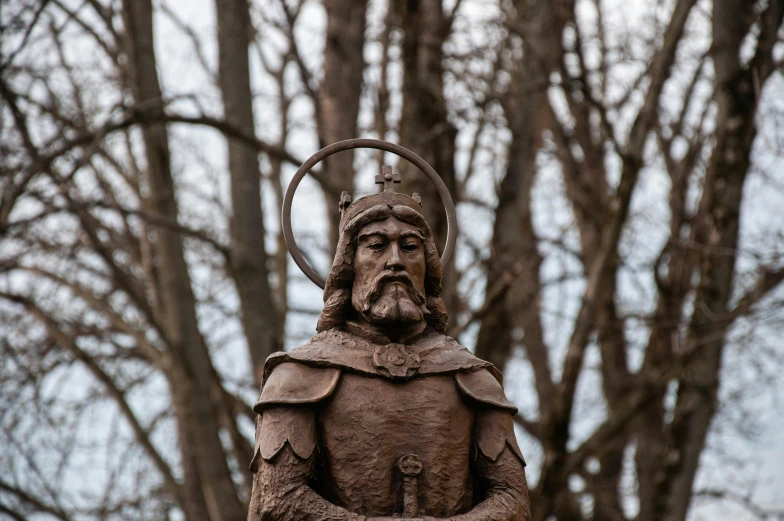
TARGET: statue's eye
(376,246)
(410,246)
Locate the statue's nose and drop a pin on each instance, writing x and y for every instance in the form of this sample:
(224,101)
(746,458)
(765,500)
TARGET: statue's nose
(395,261)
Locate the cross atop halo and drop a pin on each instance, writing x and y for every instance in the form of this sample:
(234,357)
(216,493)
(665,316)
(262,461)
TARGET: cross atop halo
(388,179)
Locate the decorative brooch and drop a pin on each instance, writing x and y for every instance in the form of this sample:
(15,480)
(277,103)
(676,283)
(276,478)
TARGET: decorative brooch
(395,361)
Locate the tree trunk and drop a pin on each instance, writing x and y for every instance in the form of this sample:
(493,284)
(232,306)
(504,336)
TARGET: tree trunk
(248,258)
(514,256)
(193,381)
(339,96)
(737,96)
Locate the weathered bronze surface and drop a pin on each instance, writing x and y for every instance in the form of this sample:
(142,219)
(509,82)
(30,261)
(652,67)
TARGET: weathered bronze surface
(381,415)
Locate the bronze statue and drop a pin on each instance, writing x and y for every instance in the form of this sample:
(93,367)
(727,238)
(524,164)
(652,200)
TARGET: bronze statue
(381,415)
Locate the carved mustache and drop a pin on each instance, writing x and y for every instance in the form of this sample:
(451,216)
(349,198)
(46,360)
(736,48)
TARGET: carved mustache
(387,276)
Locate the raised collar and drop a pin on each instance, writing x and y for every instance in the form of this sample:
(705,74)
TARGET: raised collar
(374,335)
(341,349)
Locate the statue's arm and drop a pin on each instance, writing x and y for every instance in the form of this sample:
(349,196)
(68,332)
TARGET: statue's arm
(498,463)
(507,492)
(283,467)
(501,471)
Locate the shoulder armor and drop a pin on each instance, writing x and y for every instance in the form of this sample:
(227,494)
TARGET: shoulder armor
(494,431)
(292,383)
(281,425)
(481,386)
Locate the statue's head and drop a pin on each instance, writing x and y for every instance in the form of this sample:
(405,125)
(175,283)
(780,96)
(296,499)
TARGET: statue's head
(386,268)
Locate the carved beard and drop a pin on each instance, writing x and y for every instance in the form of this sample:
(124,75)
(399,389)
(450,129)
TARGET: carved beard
(390,298)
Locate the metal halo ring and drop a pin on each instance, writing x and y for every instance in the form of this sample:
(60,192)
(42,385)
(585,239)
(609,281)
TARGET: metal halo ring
(443,192)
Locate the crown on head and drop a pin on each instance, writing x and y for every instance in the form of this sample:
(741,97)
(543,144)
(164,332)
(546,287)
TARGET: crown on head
(387,180)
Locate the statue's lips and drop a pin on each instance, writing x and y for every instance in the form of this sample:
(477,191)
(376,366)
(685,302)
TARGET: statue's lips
(397,277)
(395,286)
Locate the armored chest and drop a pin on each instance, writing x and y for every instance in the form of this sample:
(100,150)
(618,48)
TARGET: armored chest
(366,406)
(370,423)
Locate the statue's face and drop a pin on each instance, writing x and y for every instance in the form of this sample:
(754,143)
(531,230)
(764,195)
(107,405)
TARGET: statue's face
(389,273)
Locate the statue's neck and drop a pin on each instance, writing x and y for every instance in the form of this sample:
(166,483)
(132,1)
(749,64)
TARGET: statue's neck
(379,334)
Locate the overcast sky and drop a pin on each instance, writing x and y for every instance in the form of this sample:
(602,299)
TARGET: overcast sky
(757,466)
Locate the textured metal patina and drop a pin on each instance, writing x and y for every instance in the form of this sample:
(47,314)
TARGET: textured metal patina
(381,415)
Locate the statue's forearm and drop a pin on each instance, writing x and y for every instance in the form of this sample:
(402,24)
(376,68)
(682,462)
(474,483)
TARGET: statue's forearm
(507,491)
(499,506)
(281,493)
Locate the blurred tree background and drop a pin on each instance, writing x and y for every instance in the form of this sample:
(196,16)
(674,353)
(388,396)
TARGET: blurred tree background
(617,171)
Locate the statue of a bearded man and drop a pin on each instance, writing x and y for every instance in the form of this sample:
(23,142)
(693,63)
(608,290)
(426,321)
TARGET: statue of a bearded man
(381,415)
